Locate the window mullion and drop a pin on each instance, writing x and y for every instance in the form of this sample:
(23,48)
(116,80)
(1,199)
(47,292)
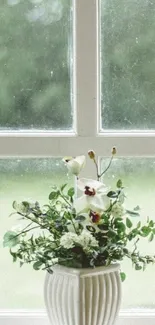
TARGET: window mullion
(85,64)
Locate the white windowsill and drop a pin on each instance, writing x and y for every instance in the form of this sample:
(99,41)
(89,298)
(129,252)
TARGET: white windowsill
(25,317)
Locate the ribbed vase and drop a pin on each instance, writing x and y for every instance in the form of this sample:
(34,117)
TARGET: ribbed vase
(83,296)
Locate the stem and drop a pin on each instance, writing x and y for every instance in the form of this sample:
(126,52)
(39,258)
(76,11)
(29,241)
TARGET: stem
(25,231)
(96,165)
(135,244)
(75,187)
(74,226)
(63,197)
(106,167)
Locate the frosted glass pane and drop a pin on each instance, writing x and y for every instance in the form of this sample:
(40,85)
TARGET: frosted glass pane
(24,179)
(127,61)
(138,177)
(35,64)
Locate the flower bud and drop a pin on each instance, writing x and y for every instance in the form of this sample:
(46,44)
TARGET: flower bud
(113,151)
(119,183)
(75,165)
(91,154)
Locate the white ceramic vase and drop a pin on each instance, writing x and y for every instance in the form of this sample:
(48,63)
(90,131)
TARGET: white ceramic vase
(83,296)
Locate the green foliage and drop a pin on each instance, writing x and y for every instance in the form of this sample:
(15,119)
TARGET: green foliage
(10,239)
(40,243)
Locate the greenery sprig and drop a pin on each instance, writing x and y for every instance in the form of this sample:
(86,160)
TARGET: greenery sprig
(92,230)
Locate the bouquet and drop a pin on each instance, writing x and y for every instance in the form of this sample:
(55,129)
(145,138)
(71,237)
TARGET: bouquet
(93,228)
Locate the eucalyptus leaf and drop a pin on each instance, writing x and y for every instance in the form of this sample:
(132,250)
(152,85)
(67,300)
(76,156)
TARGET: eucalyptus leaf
(10,239)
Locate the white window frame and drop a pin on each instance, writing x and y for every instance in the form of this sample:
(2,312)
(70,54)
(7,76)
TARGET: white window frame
(85,136)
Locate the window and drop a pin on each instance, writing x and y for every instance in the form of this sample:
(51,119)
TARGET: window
(59,98)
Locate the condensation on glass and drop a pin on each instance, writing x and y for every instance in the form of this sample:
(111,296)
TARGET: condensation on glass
(35,65)
(127,64)
(26,179)
(137,175)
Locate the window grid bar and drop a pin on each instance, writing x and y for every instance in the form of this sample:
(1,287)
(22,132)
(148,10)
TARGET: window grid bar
(86,66)
(63,146)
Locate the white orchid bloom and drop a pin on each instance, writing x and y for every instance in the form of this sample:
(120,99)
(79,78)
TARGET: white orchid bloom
(75,165)
(94,196)
(92,219)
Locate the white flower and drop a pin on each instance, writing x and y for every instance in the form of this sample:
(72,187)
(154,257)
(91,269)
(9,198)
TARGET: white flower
(87,240)
(90,222)
(117,210)
(68,240)
(75,164)
(94,196)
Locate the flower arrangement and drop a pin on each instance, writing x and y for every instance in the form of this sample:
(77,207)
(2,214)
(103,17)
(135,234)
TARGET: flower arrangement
(88,230)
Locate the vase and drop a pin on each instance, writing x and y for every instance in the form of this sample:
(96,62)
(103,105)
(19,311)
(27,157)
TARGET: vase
(89,296)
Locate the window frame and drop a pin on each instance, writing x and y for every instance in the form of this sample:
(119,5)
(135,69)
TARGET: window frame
(86,135)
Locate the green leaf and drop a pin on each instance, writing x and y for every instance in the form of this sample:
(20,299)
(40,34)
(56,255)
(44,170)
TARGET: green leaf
(145,230)
(139,224)
(117,220)
(133,213)
(54,195)
(21,263)
(112,233)
(37,265)
(138,267)
(14,255)
(62,187)
(128,223)
(112,194)
(119,183)
(80,218)
(26,204)
(14,205)
(22,207)
(71,192)
(121,226)
(151,223)
(137,208)
(123,276)
(151,237)
(10,239)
